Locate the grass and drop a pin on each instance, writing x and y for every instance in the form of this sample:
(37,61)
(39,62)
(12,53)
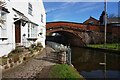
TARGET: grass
(64,71)
(112,46)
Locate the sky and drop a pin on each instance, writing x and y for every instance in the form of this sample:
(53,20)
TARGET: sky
(77,11)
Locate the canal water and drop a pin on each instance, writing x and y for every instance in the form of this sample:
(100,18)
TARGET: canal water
(87,62)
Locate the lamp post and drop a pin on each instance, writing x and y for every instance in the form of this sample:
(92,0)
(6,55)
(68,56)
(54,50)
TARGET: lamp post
(105,18)
(105,6)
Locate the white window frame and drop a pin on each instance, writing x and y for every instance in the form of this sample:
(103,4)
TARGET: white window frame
(30,8)
(32,30)
(3,27)
(42,18)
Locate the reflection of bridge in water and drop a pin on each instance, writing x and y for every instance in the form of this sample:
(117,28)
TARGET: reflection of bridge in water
(75,34)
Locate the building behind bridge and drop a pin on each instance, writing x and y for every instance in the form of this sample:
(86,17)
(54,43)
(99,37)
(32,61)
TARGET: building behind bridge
(113,25)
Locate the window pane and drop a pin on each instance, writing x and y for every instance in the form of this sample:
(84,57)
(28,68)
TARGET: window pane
(30,9)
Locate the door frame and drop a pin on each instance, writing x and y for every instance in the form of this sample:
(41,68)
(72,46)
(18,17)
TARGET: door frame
(18,31)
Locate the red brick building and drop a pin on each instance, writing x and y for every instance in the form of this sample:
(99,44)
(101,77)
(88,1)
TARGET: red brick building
(91,21)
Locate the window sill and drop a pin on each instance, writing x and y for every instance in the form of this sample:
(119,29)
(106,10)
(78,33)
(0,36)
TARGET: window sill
(32,38)
(3,38)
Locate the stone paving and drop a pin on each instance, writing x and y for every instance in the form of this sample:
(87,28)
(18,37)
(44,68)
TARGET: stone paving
(33,66)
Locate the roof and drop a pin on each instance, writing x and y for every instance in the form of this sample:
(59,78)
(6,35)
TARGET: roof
(4,9)
(23,17)
(114,20)
(91,19)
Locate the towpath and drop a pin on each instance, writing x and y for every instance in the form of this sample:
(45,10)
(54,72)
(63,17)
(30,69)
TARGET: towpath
(39,64)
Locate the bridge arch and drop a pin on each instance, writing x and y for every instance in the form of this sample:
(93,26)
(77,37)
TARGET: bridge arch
(75,34)
(66,37)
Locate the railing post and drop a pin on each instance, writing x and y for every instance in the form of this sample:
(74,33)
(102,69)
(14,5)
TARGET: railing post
(69,55)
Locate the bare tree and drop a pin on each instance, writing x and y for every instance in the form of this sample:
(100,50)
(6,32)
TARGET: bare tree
(112,16)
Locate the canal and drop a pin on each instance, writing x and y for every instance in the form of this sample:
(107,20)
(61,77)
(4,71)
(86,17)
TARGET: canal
(87,62)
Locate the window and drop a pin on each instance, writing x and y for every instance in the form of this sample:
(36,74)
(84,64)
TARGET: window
(42,18)
(28,30)
(32,30)
(91,22)
(3,28)
(30,9)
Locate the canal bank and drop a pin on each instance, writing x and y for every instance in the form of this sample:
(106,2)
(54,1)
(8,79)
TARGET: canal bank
(65,69)
(60,71)
(104,50)
(108,47)
(87,62)
(39,67)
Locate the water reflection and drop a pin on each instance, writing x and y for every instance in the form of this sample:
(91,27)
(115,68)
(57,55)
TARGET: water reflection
(87,62)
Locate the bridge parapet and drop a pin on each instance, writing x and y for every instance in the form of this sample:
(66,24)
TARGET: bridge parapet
(78,34)
(71,25)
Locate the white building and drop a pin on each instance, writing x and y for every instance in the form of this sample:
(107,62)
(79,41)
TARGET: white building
(24,24)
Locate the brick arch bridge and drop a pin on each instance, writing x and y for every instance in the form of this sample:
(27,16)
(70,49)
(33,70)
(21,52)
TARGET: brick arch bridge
(75,34)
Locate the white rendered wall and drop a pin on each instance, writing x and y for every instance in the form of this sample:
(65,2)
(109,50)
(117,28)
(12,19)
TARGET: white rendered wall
(8,45)
(38,9)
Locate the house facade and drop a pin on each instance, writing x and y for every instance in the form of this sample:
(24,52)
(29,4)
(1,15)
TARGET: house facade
(91,21)
(24,24)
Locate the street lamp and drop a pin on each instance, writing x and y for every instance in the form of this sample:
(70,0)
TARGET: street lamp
(105,4)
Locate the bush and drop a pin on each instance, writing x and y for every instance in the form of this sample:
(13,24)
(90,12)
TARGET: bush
(39,44)
(31,50)
(3,60)
(35,47)
(16,51)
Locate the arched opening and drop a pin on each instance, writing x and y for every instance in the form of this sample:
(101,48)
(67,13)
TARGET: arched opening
(65,37)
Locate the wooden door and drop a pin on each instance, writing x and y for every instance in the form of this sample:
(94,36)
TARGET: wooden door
(17,32)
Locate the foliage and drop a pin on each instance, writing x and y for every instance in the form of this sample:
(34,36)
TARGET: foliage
(113,46)
(31,50)
(13,54)
(35,47)
(64,71)
(113,16)
(3,60)
(38,47)
(17,50)
(39,44)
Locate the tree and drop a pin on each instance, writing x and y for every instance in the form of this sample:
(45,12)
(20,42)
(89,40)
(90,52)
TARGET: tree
(102,18)
(112,16)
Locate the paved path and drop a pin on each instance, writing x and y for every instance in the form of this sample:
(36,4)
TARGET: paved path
(35,65)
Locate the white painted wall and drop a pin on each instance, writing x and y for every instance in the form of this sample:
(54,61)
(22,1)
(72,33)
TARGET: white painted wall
(7,45)
(22,5)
